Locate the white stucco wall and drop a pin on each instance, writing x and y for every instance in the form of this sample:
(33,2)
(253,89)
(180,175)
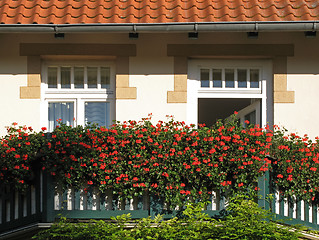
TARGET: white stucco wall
(303,69)
(152,87)
(151,72)
(301,116)
(12,76)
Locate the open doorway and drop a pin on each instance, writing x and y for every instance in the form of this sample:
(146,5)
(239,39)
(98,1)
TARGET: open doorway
(212,109)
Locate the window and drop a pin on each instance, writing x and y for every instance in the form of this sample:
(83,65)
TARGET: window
(77,93)
(218,87)
(230,78)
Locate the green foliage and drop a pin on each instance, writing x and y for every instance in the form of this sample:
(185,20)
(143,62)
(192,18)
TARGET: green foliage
(248,221)
(245,220)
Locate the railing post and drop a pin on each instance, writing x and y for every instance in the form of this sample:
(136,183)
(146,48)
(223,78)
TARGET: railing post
(48,198)
(263,186)
(156,206)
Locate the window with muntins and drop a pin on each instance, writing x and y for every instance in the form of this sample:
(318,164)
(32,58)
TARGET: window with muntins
(78,94)
(230,79)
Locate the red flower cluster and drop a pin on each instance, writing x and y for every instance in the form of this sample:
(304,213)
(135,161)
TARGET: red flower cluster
(168,159)
(296,164)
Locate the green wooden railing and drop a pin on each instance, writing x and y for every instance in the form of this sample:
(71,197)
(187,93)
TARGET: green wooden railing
(43,203)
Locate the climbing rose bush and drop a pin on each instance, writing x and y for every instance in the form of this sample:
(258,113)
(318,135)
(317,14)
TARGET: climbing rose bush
(170,160)
(18,153)
(295,165)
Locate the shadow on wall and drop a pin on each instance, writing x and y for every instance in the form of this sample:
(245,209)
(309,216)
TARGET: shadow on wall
(212,109)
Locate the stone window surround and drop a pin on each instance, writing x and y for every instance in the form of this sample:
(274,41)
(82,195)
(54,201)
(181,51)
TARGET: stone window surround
(36,51)
(277,52)
(181,52)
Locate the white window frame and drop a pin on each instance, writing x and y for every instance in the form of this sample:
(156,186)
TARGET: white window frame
(264,93)
(76,95)
(225,89)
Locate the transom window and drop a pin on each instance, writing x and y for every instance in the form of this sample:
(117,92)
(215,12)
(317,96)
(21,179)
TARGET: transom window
(77,94)
(230,78)
(78,77)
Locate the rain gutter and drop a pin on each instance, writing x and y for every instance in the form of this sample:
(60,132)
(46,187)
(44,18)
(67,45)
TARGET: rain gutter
(262,26)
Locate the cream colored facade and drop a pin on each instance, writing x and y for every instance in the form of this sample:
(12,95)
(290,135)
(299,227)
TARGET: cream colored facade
(152,72)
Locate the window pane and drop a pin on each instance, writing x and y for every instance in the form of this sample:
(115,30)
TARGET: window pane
(204,77)
(97,112)
(78,77)
(254,78)
(105,77)
(65,77)
(242,78)
(52,77)
(60,110)
(217,78)
(229,78)
(92,77)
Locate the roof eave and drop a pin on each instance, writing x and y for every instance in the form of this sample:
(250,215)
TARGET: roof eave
(262,26)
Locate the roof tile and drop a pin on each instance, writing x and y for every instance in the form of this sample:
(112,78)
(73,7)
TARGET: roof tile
(154,11)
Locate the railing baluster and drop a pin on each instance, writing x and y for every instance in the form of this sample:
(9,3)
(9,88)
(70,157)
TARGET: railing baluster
(306,209)
(38,194)
(121,204)
(298,215)
(140,203)
(215,200)
(83,199)
(146,201)
(89,199)
(28,196)
(57,200)
(41,191)
(314,213)
(1,208)
(8,210)
(277,202)
(222,201)
(64,200)
(95,199)
(109,200)
(302,209)
(294,208)
(16,205)
(33,200)
(102,201)
(70,199)
(310,213)
(77,198)
(286,207)
(281,205)
(20,205)
(134,203)
(12,201)
(25,205)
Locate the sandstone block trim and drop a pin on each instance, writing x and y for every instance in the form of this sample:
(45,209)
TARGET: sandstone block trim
(33,88)
(179,95)
(281,94)
(126,93)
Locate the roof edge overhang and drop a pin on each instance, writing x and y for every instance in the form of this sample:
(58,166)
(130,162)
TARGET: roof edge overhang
(262,26)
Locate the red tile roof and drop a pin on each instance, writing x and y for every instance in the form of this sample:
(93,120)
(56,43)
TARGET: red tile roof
(154,11)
